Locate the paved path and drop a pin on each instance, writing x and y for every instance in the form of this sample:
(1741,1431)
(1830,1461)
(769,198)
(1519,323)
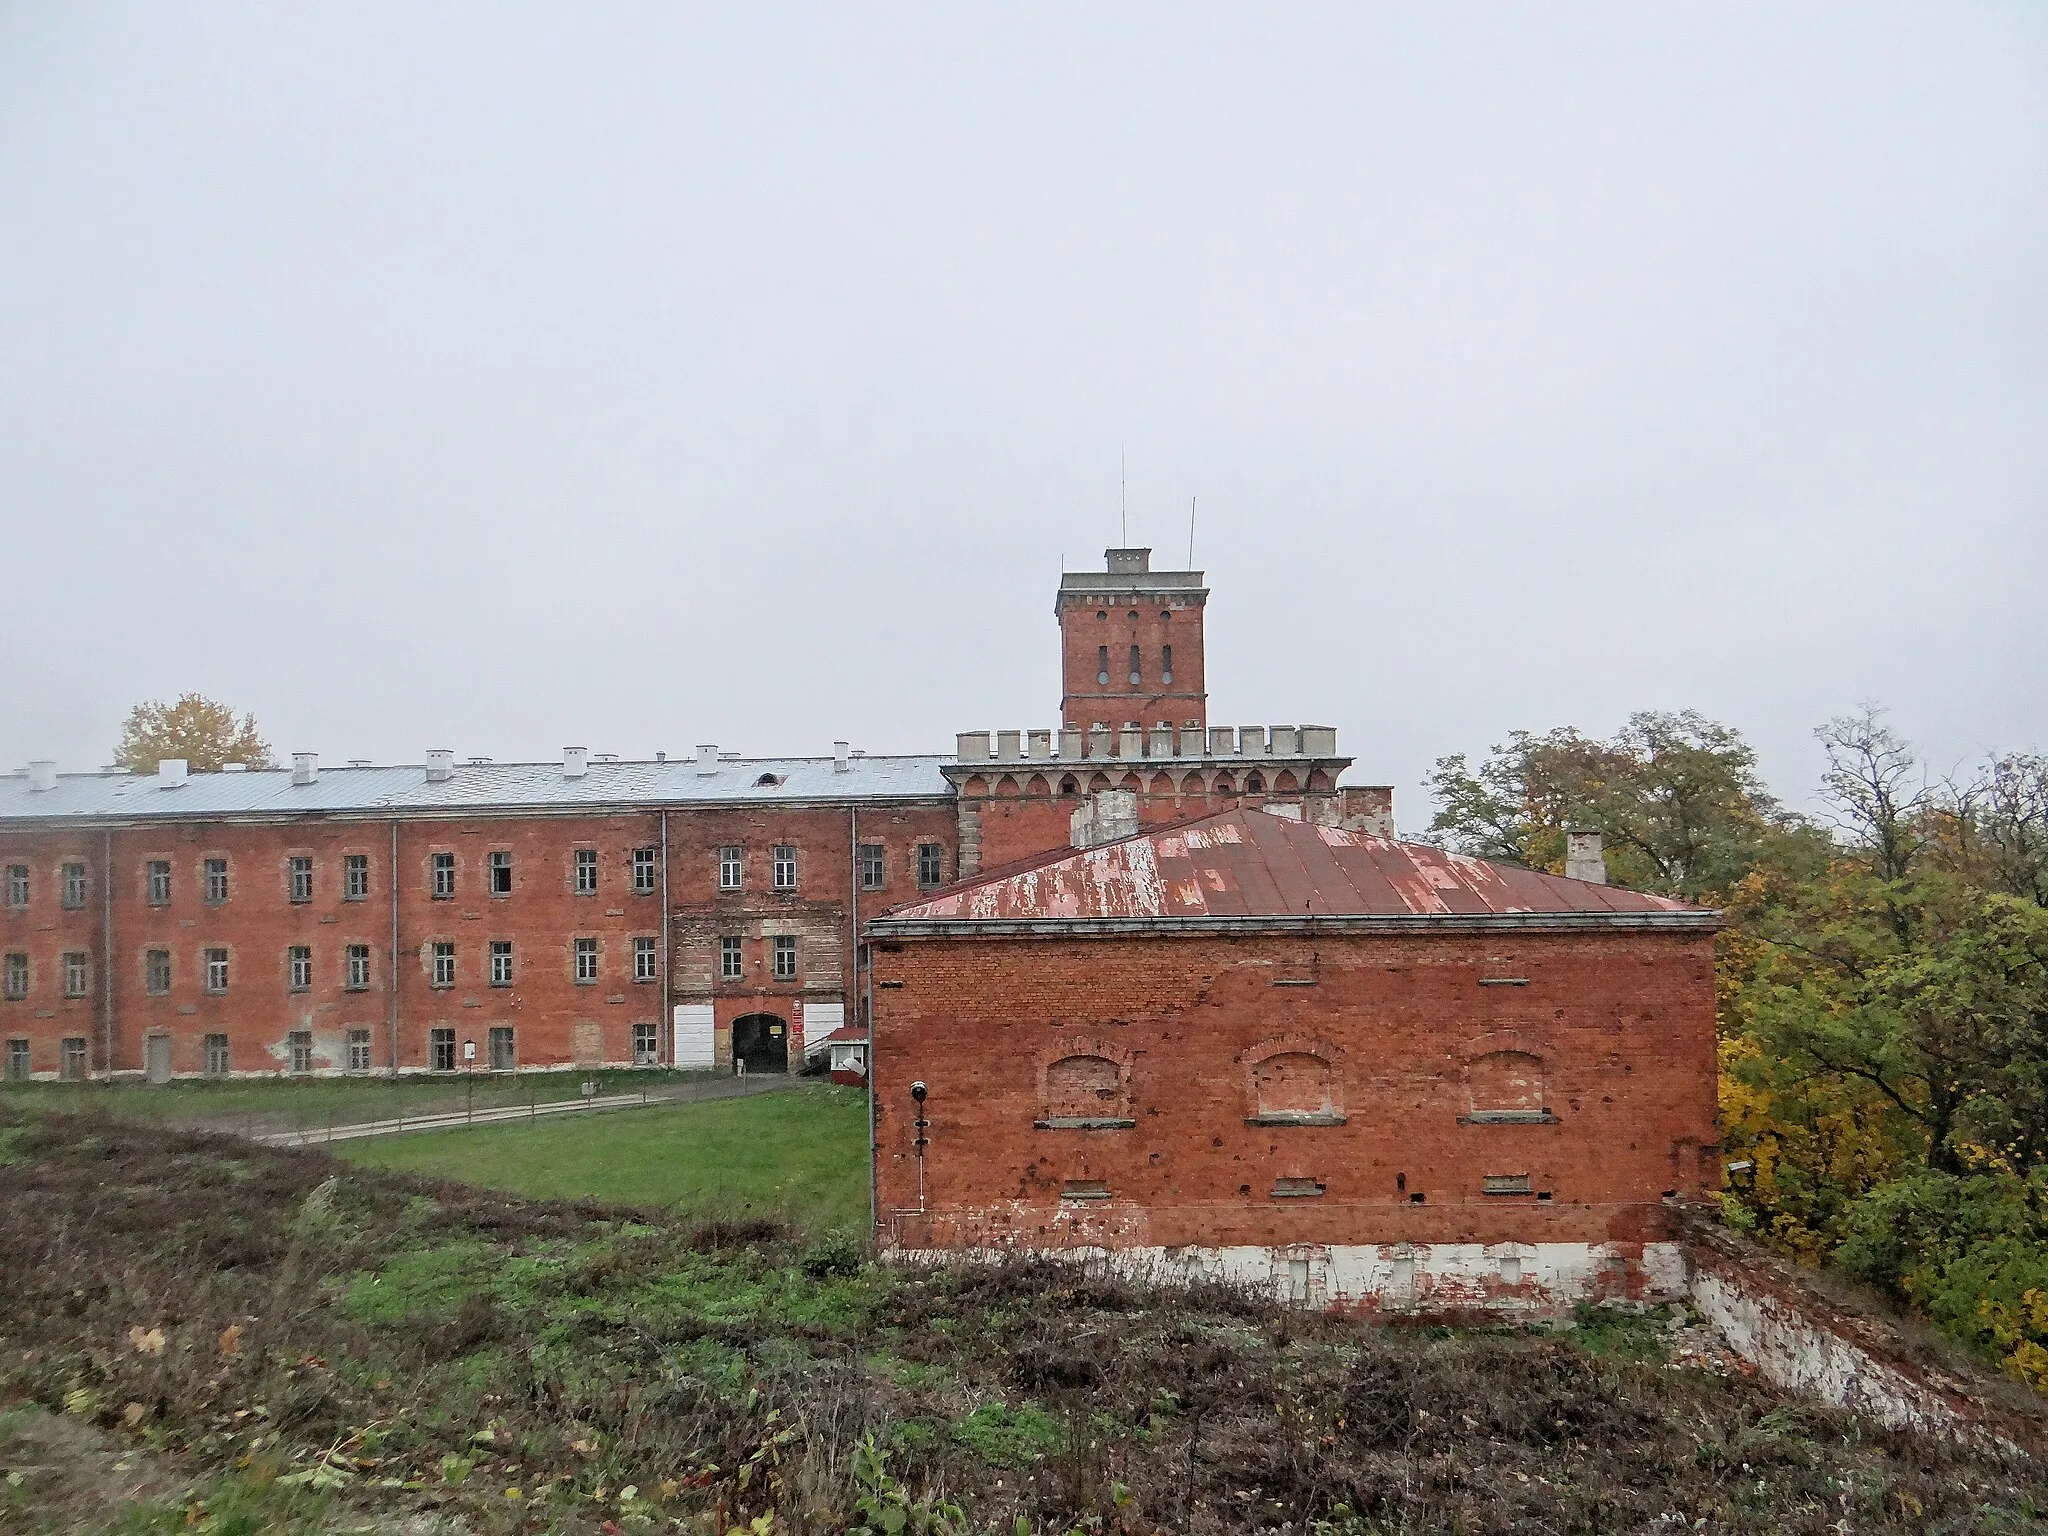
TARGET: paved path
(731,1088)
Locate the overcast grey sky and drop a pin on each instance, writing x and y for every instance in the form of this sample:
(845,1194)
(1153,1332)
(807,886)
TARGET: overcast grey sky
(502,376)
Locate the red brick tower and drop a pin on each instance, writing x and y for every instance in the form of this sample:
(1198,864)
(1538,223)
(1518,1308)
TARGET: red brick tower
(1131,645)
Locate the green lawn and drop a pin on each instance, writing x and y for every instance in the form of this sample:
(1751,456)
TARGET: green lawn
(800,1155)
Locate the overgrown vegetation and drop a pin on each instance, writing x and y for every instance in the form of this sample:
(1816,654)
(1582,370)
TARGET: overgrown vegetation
(1884,989)
(202,1335)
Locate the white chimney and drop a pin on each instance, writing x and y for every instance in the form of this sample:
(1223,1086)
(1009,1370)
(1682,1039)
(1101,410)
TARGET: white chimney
(440,765)
(305,767)
(575,762)
(840,764)
(1584,858)
(1107,815)
(42,775)
(170,773)
(707,757)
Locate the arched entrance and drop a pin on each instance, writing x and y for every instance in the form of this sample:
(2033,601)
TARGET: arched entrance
(761,1040)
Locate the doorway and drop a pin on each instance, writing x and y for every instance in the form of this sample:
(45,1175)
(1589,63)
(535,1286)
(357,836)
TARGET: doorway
(761,1040)
(157,1059)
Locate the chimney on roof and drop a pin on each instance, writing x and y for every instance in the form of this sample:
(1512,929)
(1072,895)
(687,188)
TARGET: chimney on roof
(575,762)
(1584,859)
(840,751)
(305,767)
(170,773)
(1128,562)
(42,776)
(1107,815)
(707,757)
(440,765)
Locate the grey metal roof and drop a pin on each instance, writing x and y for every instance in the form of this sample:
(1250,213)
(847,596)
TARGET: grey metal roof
(486,787)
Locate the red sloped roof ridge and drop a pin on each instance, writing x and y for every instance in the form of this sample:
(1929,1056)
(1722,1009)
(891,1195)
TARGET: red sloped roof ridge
(1249,864)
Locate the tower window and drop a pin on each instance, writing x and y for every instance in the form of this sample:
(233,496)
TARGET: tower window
(1102,666)
(1137,672)
(1166,664)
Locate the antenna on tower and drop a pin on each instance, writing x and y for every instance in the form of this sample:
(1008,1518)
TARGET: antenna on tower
(1191,533)
(1123,501)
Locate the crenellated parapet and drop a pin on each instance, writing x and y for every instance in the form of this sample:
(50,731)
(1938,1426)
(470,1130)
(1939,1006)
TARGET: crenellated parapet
(1286,744)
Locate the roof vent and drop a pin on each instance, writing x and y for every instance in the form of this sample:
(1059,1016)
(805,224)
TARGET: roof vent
(440,766)
(1584,858)
(707,757)
(359,762)
(840,751)
(42,776)
(606,757)
(170,773)
(305,767)
(575,762)
(234,767)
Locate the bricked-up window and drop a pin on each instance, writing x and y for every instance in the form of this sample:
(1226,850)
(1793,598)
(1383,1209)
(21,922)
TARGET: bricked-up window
(444,876)
(1085,1092)
(1166,665)
(355,877)
(586,960)
(73,1068)
(156,971)
(159,882)
(1507,1088)
(1137,668)
(785,867)
(586,871)
(17,885)
(300,958)
(77,967)
(74,886)
(504,1055)
(729,867)
(501,962)
(785,959)
(1102,666)
(216,969)
(302,878)
(1296,1088)
(216,1055)
(356,975)
(214,877)
(301,1043)
(17,1061)
(501,874)
(732,963)
(646,1046)
(16,985)
(441,1050)
(646,872)
(643,960)
(444,964)
(931,864)
(359,1050)
(870,866)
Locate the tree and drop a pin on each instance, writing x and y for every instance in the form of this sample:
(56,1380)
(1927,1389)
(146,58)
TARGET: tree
(1879,795)
(198,729)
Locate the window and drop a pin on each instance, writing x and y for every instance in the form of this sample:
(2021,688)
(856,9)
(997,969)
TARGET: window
(731,963)
(444,964)
(156,971)
(301,878)
(159,882)
(871,866)
(444,876)
(359,1050)
(216,1055)
(586,959)
(74,885)
(1137,672)
(729,867)
(501,874)
(586,871)
(216,969)
(503,1055)
(17,1060)
(355,877)
(1295,1088)
(17,885)
(356,977)
(931,864)
(441,1050)
(301,959)
(1166,665)
(76,967)
(785,959)
(1084,1092)
(74,1058)
(785,867)
(501,962)
(17,978)
(643,960)
(1102,666)
(644,871)
(645,1047)
(301,1043)
(216,880)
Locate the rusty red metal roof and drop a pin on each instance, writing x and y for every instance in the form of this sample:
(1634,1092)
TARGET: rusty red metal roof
(1258,865)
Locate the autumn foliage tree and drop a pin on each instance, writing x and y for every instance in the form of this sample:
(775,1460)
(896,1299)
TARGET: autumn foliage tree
(202,731)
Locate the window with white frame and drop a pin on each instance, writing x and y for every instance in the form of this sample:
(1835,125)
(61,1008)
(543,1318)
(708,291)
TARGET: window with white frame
(644,968)
(355,877)
(299,958)
(785,867)
(444,876)
(731,959)
(501,962)
(586,871)
(357,976)
(646,1046)
(444,963)
(359,1050)
(216,961)
(501,873)
(74,885)
(17,1061)
(931,864)
(504,1053)
(17,885)
(301,1043)
(16,987)
(215,873)
(77,968)
(216,1055)
(74,1064)
(159,882)
(156,971)
(646,873)
(301,870)
(729,867)
(785,959)
(870,866)
(586,960)
(441,1050)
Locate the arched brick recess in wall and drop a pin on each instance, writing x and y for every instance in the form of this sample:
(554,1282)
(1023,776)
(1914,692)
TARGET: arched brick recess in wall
(1504,1078)
(1099,781)
(1318,779)
(1255,783)
(1084,1084)
(976,785)
(1191,786)
(1006,785)
(1038,787)
(1225,784)
(1286,784)
(1131,782)
(1294,1080)
(1069,785)
(1162,785)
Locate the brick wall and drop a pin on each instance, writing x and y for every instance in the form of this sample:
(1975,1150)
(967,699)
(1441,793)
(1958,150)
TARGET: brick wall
(1090,621)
